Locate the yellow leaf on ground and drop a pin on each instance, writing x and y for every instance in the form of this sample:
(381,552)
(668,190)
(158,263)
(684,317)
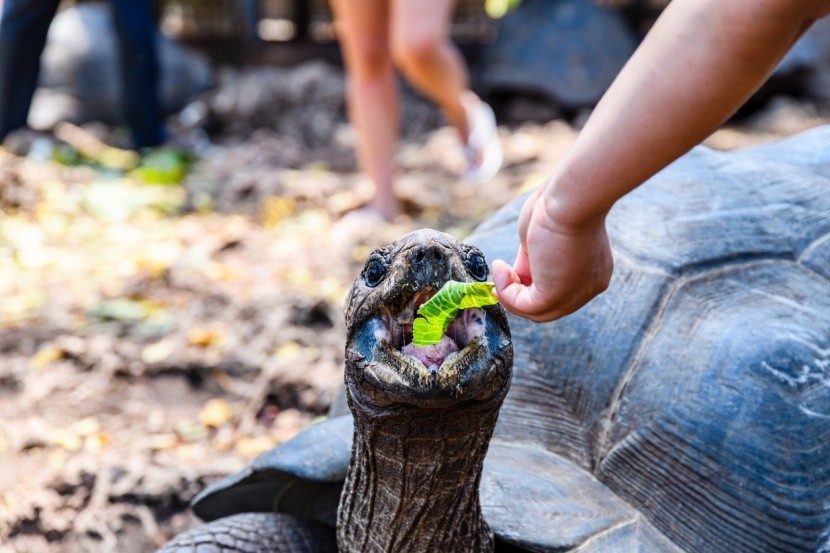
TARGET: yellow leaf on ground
(251,447)
(215,413)
(275,210)
(65,439)
(204,337)
(157,352)
(97,441)
(45,356)
(288,350)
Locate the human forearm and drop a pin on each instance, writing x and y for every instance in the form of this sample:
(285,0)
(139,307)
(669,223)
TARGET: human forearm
(699,63)
(701,60)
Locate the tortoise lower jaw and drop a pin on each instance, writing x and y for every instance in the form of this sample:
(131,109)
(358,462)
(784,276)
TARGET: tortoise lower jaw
(394,366)
(473,374)
(472,362)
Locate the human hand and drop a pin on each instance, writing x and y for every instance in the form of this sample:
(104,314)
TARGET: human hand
(559,267)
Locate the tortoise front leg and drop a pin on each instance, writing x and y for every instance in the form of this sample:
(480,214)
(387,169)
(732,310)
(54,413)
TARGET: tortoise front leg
(256,533)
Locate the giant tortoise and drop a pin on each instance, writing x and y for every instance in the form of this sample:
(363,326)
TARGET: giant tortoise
(686,409)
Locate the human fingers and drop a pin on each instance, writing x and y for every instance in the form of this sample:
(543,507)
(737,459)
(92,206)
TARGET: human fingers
(518,296)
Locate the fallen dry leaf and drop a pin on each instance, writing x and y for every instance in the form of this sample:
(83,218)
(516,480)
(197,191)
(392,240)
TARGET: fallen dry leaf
(252,447)
(215,413)
(288,350)
(275,210)
(45,356)
(205,337)
(97,441)
(65,439)
(158,351)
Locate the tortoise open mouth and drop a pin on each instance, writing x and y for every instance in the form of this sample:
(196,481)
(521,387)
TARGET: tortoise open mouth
(448,365)
(397,332)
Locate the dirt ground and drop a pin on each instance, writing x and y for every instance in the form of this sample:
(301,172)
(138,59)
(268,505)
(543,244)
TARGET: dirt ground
(157,338)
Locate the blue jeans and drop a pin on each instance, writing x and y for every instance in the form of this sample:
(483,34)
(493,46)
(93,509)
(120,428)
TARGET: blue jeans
(23,28)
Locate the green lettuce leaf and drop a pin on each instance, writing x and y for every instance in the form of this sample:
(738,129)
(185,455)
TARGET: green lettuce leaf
(438,312)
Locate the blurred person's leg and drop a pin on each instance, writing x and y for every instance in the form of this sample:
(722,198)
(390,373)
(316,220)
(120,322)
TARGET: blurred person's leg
(422,48)
(23,28)
(430,61)
(135,27)
(363,31)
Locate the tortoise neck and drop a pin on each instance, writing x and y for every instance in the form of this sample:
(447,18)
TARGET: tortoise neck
(412,483)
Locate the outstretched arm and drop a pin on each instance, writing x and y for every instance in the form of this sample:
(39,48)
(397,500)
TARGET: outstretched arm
(698,64)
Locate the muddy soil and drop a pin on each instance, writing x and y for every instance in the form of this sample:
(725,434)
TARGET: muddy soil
(155,339)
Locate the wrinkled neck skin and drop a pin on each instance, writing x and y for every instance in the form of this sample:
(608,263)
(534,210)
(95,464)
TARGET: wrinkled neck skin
(413,478)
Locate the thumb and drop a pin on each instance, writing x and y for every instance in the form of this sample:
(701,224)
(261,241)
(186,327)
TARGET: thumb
(507,282)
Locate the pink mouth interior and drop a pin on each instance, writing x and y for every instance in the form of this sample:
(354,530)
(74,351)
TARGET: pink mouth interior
(432,356)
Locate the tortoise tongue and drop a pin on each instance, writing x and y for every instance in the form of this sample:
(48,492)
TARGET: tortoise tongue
(432,356)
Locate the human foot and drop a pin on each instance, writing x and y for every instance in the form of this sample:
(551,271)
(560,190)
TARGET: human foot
(482,149)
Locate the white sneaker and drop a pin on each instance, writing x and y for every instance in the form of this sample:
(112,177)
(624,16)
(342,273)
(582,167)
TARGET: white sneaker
(483,149)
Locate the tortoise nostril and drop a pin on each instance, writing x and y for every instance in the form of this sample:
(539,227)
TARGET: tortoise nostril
(428,255)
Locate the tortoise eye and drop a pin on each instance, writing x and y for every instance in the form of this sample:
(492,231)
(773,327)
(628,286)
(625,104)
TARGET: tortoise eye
(374,272)
(478,267)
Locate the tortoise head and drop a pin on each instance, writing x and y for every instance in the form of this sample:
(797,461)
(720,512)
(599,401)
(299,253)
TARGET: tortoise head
(384,370)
